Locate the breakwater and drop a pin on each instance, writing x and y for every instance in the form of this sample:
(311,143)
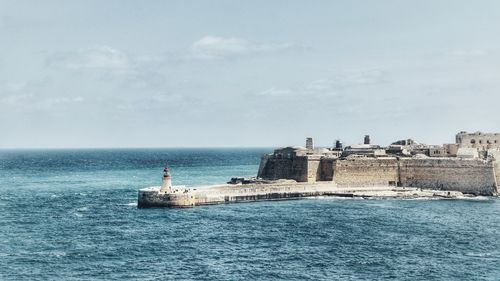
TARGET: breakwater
(237,193)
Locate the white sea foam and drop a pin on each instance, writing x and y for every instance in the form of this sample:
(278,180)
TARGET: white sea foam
(57,253)
(475,198)
(333,198)
(471,254)
(423,198)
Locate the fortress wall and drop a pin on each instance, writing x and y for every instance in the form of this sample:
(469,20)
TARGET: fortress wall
(284,168)
(496,169)
(366,172)
(497,174)
(262,165)
(495,153)
(468,176)
(326,169)
(313,169)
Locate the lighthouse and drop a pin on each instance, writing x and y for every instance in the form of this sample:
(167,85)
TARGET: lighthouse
(166,186)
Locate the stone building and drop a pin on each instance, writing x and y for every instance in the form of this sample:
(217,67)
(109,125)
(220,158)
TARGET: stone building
(482,141)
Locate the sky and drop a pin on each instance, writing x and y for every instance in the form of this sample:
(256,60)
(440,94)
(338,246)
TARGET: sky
(246,73)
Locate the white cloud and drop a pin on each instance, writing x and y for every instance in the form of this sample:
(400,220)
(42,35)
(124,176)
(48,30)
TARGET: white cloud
(274,92)
(465,53)
(102,57)
(219,47)
(66,100)
(333,85)
(32,95)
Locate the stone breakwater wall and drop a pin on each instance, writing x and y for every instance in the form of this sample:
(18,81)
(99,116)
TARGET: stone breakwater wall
(152,197)
(186,198)
(473,176)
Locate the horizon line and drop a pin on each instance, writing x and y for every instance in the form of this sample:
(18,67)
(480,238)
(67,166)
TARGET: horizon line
(131,147)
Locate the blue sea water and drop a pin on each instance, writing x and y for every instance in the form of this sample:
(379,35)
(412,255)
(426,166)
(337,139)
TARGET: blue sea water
(72,215)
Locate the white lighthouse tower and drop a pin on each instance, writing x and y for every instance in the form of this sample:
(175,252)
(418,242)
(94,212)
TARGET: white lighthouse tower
(166,186)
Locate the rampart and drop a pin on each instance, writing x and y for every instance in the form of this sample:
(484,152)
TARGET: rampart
(366,172)
(472,176)
(295,168)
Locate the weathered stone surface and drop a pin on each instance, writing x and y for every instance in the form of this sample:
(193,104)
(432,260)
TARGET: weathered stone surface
(284,168)
(474,176)
(466,175)
(152,197)
(366,172)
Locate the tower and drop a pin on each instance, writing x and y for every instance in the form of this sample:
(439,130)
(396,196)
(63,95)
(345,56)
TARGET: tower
(338,144)
(166,185)
(367,139)
(309,143)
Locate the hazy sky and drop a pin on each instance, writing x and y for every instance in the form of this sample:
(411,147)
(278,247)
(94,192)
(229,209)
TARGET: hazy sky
(246,73)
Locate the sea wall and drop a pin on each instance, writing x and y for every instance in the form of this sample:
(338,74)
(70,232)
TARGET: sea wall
(366,172)
(471,176)
(154,198)
(257,192)
(234,193)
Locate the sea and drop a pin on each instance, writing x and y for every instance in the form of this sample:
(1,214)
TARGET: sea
(72,215)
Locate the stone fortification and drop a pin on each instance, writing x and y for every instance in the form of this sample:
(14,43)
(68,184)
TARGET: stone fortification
(494,154)
(480,140)
(408,165)
(366,172)
(473,176)
(295,168)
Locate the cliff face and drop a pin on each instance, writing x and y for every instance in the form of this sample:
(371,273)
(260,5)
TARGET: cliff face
(472,176)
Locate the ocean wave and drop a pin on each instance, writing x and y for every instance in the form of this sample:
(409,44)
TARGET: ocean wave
(129,204)
(480,255)
(475,198)
(333,198)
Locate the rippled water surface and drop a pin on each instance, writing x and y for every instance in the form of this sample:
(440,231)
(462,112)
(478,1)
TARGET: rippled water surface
(72,215)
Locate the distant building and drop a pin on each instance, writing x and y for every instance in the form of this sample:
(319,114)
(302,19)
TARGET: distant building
(403,163)
(482,141)
(309,143)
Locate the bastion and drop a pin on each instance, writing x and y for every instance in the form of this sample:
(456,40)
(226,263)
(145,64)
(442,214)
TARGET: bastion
(404,169)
